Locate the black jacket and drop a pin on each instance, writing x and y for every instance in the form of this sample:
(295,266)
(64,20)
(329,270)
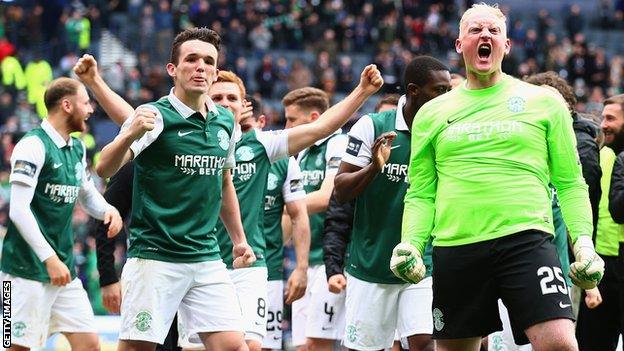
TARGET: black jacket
(616,193)
(336,235)
(119,194)
(586,131)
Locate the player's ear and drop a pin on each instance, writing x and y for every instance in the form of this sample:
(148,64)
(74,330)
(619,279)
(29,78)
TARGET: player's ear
(412,89)
(171,70)
(458,48)
(216,77)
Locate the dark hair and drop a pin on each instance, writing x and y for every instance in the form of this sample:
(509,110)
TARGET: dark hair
(552,79)
(615,99)
(58,89)
(388,99)
(203,34)
(256,105)
(418,71)
(308,99)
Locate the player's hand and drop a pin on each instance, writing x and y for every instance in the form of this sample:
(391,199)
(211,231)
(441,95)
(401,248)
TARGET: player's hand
(337,283)
(58,271)
(144,120)
(86,69)
(406,263)
(593,298)
(382,148)
(296,285)
(246,111)
(588,269)
(114,222)
(371,80)
(111,297)
(243,255)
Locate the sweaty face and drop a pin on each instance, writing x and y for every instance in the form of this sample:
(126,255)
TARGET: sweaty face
(81,109)
(196,69)
(613,124)
(227,94)
(483,43)
(296,116)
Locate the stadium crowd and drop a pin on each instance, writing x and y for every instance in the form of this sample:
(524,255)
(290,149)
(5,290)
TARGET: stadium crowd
(274,47)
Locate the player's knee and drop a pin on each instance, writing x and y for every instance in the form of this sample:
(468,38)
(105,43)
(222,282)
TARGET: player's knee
(90,344)
(254,345)
(315,344)
(420,342)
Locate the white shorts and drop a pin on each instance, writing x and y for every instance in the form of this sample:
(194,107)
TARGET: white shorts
(503,340)
(152,291)
(275,312)
(374,311)
(319,313)
(39,310)
(251,288)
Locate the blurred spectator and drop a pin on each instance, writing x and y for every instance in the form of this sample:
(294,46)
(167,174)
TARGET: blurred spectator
(346,75)
(266,76)
(575,22)
(299,76)
(163,25)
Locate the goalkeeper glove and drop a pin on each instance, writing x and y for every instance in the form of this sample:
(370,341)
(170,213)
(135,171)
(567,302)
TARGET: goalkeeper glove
(588,269)
(406,263)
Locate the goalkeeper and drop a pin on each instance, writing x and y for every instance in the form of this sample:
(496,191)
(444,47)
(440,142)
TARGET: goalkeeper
(482,157)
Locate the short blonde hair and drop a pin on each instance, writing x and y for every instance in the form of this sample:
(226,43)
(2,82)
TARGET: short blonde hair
(308,99)
(481,8)
(231,77)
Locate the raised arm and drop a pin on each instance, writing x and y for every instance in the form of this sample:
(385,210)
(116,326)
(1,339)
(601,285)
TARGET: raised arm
(303,136)
(114,105)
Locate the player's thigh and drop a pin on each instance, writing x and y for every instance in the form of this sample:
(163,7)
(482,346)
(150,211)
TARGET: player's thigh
(325,310)
(370,326)
(223,341)
(31,306)
(555,334)
(83,341)
(71,311)
(275,312)
(251,288)
(151,294)
(210,305)
(300,310)
(464,292)
(414,310)
(530,281)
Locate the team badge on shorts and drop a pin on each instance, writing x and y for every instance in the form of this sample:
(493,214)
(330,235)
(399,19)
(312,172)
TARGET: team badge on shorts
(438,321)
(351,333)
(515,104)
(224,139)
(143,321)
(18,329)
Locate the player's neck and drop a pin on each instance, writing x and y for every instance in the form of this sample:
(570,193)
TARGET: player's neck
(409,111)
(476,81)
(59,123)
(192,100)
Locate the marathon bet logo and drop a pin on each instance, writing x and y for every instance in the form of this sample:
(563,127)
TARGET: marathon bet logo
(62,193)
(199,164)
(395,172)
(515,104)
(312,177)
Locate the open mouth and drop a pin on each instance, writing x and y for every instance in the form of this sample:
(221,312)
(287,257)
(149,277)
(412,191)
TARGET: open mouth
(484,51)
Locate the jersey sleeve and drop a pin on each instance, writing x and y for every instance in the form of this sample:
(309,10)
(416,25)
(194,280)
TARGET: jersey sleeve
(360,143)
(275,143)
(335,150)
(149,137)
(565,171)
(292,189)
(419,212)
(230,159)
(27,160)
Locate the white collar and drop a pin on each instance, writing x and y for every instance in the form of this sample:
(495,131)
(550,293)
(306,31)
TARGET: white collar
(400,123)
(323,140)
(54,135)
(186,111)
